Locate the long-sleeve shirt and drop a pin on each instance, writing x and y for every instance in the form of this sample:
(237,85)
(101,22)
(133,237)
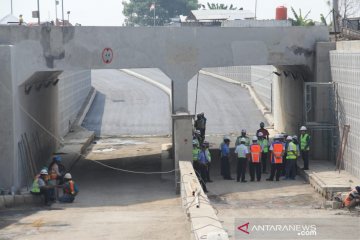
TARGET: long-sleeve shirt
(203,157)
(225,150)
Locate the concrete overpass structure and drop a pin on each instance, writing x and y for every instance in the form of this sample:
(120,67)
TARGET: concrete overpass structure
(36,56)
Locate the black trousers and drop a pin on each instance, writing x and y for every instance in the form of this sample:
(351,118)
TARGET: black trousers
(264,161)
(305,157)
(290,168)
(276,171)
(47,193)
(226,167)
(200,171)
(241,169)
(208,172)
(255,169)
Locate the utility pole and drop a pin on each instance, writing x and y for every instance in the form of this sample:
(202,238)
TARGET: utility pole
(11,5)
(335,15)
(38,8)
(154,13)
(56,3)
(62,6)
(255,8)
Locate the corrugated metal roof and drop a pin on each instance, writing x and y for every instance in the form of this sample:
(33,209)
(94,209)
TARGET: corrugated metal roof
(222,14)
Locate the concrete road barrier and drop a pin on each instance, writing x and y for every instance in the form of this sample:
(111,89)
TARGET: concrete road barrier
(204,222)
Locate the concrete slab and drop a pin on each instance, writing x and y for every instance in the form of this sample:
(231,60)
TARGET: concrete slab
(2,202)
(325,180)
(9,201)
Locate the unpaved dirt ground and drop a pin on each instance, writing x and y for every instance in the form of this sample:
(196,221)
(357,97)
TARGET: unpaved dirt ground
(111,204)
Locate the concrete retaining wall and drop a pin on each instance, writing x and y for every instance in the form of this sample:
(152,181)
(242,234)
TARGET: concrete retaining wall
(74,87)
(345,69)
(262,80)
(238,73)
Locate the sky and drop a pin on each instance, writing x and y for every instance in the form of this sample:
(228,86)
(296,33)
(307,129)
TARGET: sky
(109,12)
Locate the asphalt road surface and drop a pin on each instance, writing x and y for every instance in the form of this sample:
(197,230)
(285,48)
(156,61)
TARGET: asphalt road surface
(126,105)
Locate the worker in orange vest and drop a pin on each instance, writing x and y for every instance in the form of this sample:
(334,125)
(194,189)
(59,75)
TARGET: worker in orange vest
(277,150)
(352,199)
(255,160)
(70,189)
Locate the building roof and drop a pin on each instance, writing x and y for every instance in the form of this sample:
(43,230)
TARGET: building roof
(210,14)
(8,19)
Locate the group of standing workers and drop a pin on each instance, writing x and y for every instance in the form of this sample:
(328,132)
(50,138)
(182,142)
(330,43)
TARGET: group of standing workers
(50,179)
(257,153)
(282,154)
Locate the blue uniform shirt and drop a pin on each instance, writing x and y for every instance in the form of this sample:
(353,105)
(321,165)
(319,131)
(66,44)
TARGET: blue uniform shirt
(203,157)
(225,150)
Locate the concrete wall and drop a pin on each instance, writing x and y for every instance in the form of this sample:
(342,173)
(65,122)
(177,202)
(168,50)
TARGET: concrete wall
(262,78)
(74,87)
(257,23)
(345,69)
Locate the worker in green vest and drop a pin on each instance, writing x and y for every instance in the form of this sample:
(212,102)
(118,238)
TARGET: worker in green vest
(195,155)
(305,146)
(291,156)
(264,143)
(40,187)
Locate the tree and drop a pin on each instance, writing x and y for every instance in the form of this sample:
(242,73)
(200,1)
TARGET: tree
(221,6)
(301,20)
(139,12)
(349,8)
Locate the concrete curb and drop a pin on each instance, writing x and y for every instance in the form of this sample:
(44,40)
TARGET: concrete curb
(9,201)
(201,214)
(149,80)
(261,106)
(85,109)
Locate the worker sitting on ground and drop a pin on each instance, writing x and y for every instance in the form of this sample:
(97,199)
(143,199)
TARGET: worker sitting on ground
(352,198)
(70,189)
(40,187)
(57,171)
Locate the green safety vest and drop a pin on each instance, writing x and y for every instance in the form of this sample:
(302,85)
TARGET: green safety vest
(290,154)
(35,186)
(304,140)
(264,145)
(247,141)
(208,155)
(195,154)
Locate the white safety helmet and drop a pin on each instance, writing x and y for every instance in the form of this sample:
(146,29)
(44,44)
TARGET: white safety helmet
(67,176)
(277,136)
(226,138)
(294,137)
(242,140)
(197,132)
(289,138)
(254,138)
(260,134)
(43,172)
(303,128)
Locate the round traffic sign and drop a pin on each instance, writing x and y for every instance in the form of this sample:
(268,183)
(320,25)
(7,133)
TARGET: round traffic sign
(107,55)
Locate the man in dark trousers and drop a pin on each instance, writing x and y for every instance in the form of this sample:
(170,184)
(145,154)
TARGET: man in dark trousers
(305,146)
(255,160)
(277,149)
(200,124)
(202,167)
(242,153)
(264,131)
(225,161)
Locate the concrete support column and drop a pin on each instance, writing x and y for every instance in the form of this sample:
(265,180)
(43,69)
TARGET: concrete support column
(8,165)
(179,96)
(182,142)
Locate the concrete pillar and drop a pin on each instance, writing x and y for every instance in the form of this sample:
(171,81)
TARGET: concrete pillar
(7,128)
(179,96)
(182,142)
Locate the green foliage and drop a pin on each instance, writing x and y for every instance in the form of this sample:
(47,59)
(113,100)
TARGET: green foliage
(221,6)
(301,20)
(323,19)
(138,12)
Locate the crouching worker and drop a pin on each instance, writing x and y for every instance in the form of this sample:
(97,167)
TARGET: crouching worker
(352,199)
(40,187)
(70,189)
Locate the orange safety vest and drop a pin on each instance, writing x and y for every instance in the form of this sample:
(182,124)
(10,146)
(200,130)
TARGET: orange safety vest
(255,150)
(71,189)
(276,156)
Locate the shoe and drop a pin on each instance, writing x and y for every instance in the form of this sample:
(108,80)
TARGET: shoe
(206,191)
(244,181)
(285,178)
(277,180)
(252,180)
(292,179)
(238,180)
(259,180)
(268,179)
(265,172)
